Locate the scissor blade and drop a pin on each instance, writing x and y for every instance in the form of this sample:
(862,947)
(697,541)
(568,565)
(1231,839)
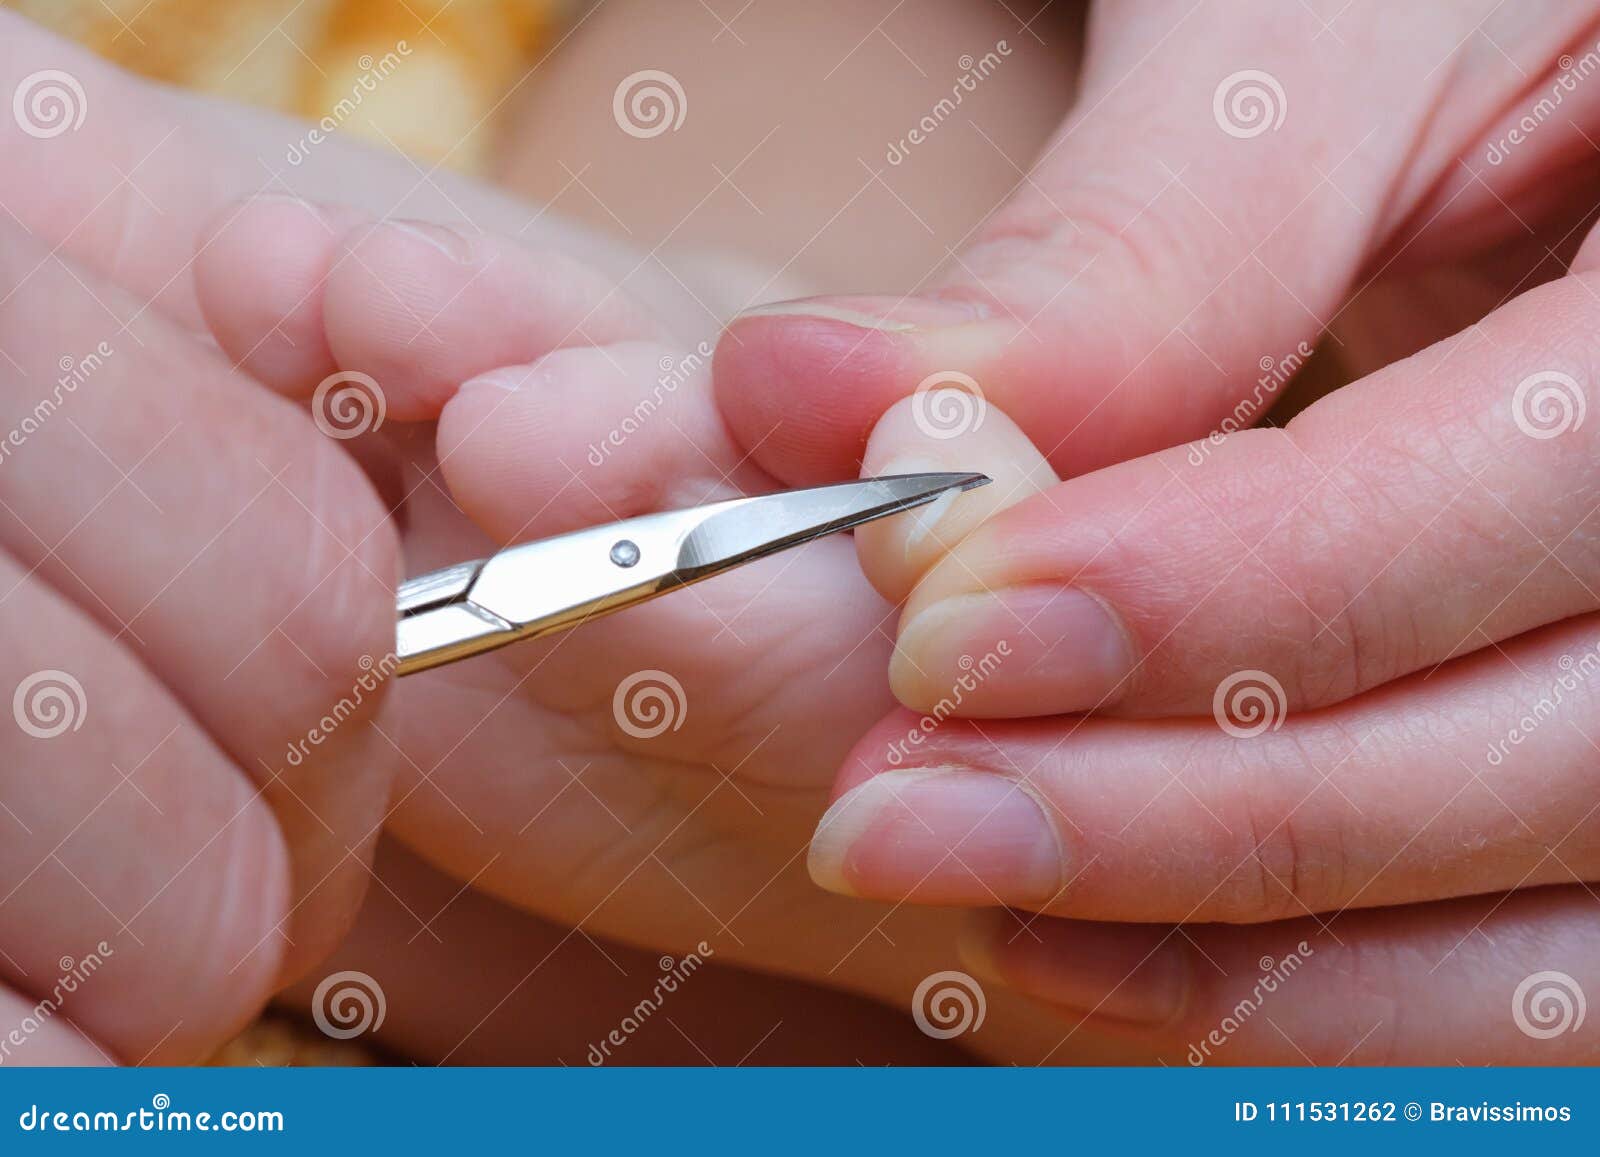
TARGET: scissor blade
(751,528)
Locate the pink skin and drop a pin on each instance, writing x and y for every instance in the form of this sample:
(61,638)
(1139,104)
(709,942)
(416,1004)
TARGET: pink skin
(260,573)
(465,803)
(212,571)
(1121,303)
(1338,828)
(516,774)
(1123,297)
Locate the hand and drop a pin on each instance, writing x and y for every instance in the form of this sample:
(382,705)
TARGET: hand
(190,576)
(529,788)
(1231,172)
(1344,677)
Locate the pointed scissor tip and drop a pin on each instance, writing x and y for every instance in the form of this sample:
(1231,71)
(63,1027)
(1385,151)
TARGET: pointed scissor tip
(755,527)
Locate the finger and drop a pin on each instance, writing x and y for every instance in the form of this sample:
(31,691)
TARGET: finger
(141,874)
(588,435)
(1247,817)
(1328,554)
(124,190)
(911,439)
(208,525)
(1115,303)
(56,1042)
(295,292)
(1495,980)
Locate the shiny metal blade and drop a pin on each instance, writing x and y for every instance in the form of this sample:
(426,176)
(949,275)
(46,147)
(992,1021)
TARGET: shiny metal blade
(539,587)
(751,528)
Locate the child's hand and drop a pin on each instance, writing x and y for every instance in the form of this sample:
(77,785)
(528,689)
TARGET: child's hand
(1325,753)
(517,774)
(653,776)
(191,578)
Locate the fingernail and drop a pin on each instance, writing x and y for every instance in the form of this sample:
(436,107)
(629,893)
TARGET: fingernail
(890,316)
(938,835)
(456,246)
(921,522)
(1030,650)
(1120,972)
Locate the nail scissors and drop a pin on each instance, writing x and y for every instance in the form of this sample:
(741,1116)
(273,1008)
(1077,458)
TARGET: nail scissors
(542,587)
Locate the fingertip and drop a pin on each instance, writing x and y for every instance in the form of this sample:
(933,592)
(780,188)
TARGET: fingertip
(260,275)
(945,428)
(581,436)
(384,308)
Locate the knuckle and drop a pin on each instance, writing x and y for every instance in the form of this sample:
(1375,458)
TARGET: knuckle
(1288,848)
(1352,631)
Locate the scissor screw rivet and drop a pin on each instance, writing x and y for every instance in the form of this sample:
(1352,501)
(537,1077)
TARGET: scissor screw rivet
(625,553)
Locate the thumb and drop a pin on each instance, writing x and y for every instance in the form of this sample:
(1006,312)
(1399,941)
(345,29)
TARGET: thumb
(1191,226)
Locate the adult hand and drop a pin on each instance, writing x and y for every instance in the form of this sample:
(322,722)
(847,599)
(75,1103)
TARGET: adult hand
(1229,173)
